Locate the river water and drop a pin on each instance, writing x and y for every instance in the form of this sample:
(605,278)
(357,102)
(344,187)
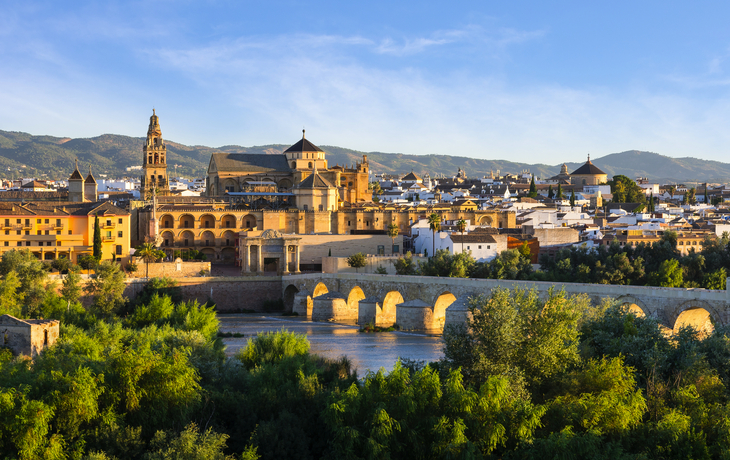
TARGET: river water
(367,352)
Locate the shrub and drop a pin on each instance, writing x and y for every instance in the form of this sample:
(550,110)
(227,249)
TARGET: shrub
(272,347)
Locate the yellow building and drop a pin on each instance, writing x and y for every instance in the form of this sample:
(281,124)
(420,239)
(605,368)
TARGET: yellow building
(64,229)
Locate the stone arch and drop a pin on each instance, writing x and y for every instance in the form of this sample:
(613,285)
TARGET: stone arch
(289,293)
(209,254)
(486,221)
(320,289)
(187,221)
(248,221)
(167,221)
(388,307)
(168,239)
(285,184)
(187,238)
(207,221)
(228,255)
(698,315)
(207,238)
(230,185)
(442,302)
(228,221)
(354,298)
(634,305)
(228,238)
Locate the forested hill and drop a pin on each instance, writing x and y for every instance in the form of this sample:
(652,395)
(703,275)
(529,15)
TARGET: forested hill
(25,155)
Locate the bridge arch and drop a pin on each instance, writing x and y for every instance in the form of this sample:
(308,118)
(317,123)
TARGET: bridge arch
(354,298)
(388,306)
(289,294)
(320,289)
(440,304)
(634,305)
(698,315)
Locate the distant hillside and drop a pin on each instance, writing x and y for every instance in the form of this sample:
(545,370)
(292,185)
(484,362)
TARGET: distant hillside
(25,155)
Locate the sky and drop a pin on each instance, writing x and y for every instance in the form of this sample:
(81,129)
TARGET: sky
(532,82)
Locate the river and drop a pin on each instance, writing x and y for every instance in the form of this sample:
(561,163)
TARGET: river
(367,352)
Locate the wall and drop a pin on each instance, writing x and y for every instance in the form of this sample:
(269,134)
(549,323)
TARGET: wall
(556,236)
(228,293)
(318,246)
(339,264)
(171,269)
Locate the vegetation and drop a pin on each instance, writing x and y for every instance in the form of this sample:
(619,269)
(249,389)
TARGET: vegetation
(625,190)
(434,224)
(392,233)
(97,239)
(149,253)
(357,261)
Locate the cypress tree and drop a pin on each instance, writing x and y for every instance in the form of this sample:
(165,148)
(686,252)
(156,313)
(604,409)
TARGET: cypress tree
(97,239)
(551,194)
(560,192)
(572,198)
(533,187)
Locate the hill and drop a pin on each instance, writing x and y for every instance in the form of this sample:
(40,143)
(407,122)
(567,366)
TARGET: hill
(22,154)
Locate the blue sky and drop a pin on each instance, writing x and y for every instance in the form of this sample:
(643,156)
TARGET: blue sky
(526,81)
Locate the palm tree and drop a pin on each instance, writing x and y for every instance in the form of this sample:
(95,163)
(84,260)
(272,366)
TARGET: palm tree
(149,253)
(461,226)
(392,233)
(434,223)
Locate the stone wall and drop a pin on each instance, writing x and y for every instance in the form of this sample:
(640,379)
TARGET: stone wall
(315,247)
(176,269)
(339,264)
(228,293)
(27,336)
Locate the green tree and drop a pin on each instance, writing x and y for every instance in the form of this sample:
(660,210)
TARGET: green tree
(461,226)
(149,253)
(434,224)
(71,290)
(107,287)
(31,271)
(97,239)
(449,265)
(690,197)
(357,261)
(533,188)
(559,194)
(625,190)
(189,444)
(405,265)
(514,333)
(550,193)
(393,234)
(572,198)
(9,295)
(669,274)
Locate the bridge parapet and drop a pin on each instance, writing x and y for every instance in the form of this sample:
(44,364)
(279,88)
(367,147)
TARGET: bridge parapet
(448,297)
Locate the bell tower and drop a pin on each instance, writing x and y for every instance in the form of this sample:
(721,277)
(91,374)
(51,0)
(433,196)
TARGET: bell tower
(154,161)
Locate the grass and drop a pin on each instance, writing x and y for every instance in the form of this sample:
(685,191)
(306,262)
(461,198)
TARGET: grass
(370,327)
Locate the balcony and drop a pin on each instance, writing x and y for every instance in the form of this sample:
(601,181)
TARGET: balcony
(107,224)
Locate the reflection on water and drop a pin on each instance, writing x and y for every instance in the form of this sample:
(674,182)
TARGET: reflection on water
(368,352)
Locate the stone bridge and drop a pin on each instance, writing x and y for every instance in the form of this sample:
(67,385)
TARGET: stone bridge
(429,303)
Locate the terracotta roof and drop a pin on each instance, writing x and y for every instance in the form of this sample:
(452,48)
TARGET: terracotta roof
(411,177)
(473,238)
(249,162)
(60,209)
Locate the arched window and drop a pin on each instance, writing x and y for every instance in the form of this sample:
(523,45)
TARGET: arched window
(310,164)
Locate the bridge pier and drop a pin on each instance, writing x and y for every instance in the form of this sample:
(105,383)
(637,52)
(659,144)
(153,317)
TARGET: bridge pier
(303,304)
(418,315)
(333,307)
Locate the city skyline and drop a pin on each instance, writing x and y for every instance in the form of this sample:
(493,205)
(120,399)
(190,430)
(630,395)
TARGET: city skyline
(531,82)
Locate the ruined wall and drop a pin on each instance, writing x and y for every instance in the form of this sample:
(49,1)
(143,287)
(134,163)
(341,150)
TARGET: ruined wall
(339,264)
(177,269)
(228,293)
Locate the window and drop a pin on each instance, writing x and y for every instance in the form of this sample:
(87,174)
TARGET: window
(17,221)
(468,247)
(48,232)
(120,221)
(38,221)
(38,232)
(17,232)
(47,221)
(118,250)
(27,232)
(681,243)
(348,223)
(20,243)
(381,250)
(69,232)
(108,222)
(480,246)
(488,247)
(108,234)
(58,222)
(186,242)
(7,222)
(58,243)
(58,232)
(119,234)
(306,208)
(396,249)
(27,222)
(321,208)
(27,243)
(167,242)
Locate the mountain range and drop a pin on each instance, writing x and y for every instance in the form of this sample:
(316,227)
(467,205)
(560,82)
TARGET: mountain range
(26,155)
